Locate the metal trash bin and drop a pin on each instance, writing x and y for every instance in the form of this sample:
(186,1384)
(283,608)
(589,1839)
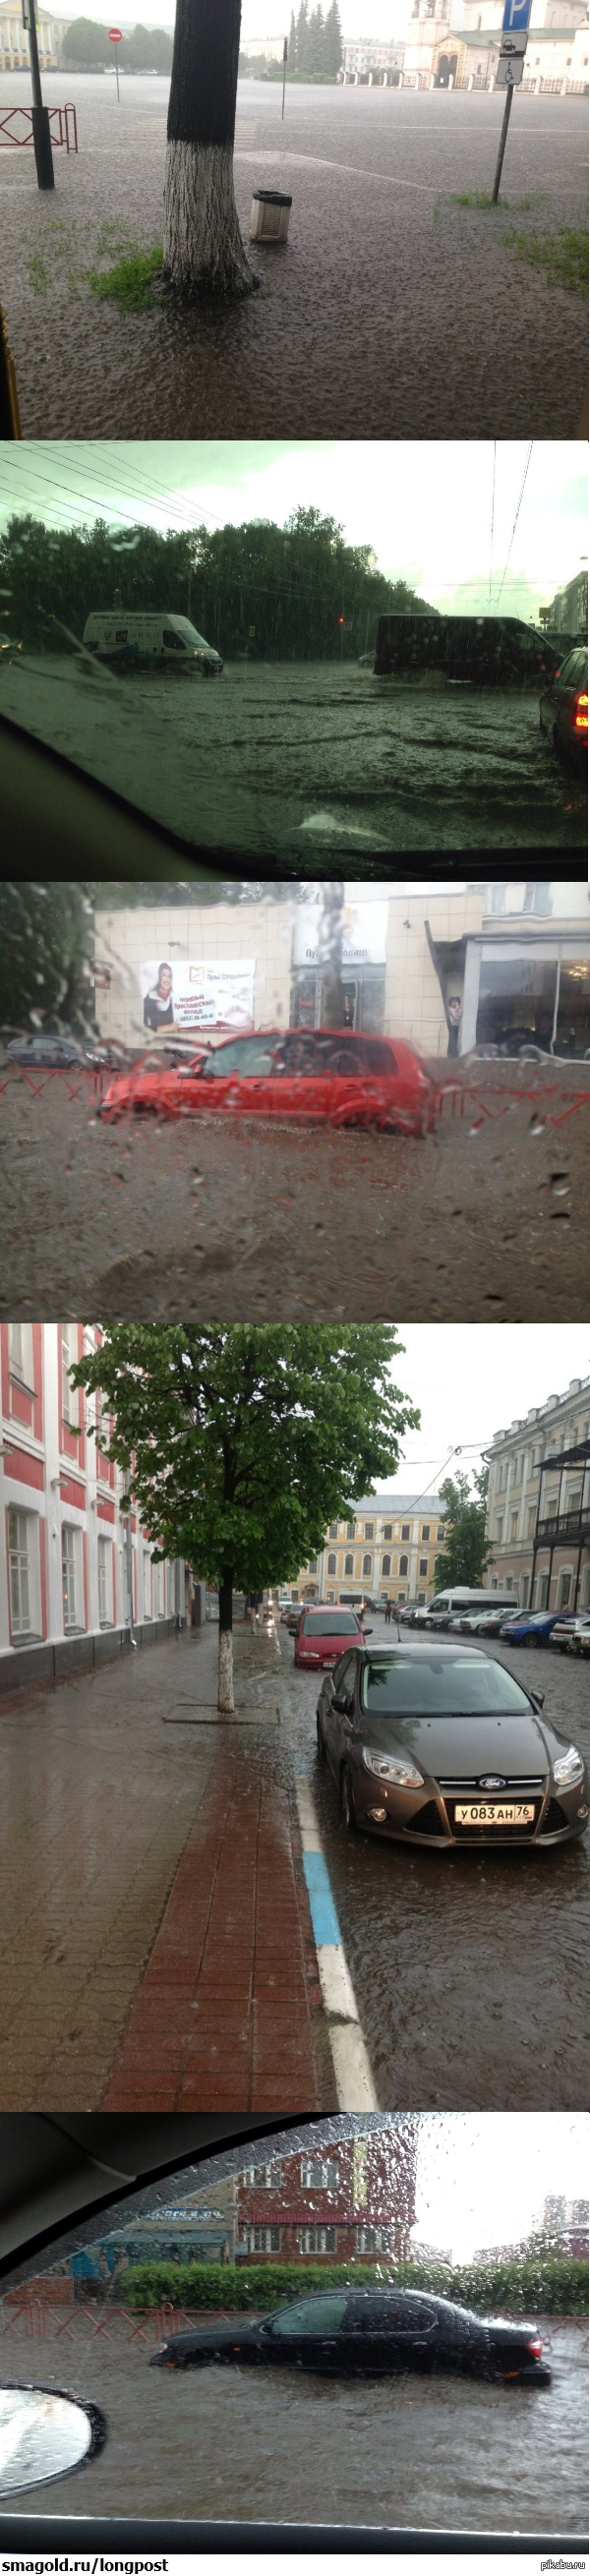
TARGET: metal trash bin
(269,219)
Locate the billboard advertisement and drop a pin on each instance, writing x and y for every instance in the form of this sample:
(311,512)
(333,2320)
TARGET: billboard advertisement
(364,933)
(199,994)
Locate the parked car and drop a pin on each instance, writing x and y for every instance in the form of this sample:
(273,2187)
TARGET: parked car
(534,1627)
(563,707)
(480,1623)
(54,1051)
(440,1743)
(568,1633)
(321,1632)
(293,1616)
(301,1074)
(367,2333)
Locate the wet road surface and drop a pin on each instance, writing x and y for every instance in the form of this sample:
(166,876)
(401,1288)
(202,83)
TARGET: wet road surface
(487,1219)
(235,2444)
(287,760)
(468,1967)
(384,314)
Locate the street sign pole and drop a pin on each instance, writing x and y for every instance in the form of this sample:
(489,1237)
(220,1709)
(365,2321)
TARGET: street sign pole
(285,50)
(39,113)
(114,35)
(503,138)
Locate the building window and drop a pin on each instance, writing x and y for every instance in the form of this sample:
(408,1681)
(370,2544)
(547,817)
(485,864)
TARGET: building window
(348,1565)
(565,1586)
(405,1529)
(265,2240)
(532,1521)
(542,1591)
(386,1566)
(69,1394)
(524,1591)
(369,1529)
(440,1533)
(20,1352)
(333,1530)
(375,2240)
(499,1525)
(514,1524)
(403,1565)
(350,1529)
(388,1529)
(331,1565)
(71,1568)
(105,1583)
(264,2177)
(423,1566)
(23,1556)
(317,2240)
(426,1531)
(320,2173)
(367,1561)
(147,1584)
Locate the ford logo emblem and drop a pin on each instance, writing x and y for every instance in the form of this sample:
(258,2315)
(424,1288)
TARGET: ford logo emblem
(492,1780)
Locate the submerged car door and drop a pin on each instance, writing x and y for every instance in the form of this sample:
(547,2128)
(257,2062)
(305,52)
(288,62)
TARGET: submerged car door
(302,1088)
(362,1073)
(307,2335)
(385,2331)
(237,1075)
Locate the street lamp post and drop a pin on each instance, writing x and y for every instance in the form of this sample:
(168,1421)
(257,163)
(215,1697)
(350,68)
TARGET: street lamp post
(40,114)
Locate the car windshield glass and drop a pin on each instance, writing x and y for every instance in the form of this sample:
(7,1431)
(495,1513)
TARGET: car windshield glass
(232,634)
(241,1055)
(439,1686)
(330,1623)
(372,2249)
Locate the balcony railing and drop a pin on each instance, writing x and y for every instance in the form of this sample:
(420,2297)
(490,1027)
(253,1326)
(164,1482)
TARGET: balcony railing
(573,1526)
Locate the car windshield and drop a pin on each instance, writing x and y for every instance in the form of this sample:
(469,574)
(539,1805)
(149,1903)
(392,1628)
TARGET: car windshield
(311,2316)
(241,1055)
(439,1686)
(330,1623)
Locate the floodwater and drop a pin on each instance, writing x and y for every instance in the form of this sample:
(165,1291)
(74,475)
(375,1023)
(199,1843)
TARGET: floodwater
(293,761)
(392,311)
(247,2446)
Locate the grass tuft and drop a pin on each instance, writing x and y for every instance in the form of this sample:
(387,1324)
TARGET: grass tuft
(563,254)
(475,197)
(130,282)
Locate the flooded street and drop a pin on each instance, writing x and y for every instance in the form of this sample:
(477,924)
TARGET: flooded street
(485,1220)
(290,761)
(384,314)
(240,2445)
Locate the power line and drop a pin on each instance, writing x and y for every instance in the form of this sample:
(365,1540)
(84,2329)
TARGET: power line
(531,445)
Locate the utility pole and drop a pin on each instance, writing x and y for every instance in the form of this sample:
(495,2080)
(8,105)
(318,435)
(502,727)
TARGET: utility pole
(40,114)
(285,52)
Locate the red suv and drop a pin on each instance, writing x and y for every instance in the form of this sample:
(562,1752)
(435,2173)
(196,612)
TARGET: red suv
(322,1634)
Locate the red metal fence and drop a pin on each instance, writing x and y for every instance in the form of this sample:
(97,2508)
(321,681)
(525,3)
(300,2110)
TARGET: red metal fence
(39,2321)
(62,123)
(462,1100)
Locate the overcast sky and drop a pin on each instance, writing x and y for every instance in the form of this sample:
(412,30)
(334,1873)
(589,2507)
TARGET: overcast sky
(382,496)
(470,1380)
(483,2179)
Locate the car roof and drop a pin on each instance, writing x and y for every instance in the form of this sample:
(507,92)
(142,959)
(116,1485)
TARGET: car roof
(418,1646)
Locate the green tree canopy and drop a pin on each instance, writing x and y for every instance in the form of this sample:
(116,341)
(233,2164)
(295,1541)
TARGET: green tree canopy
(243,1443)
(46,946)
(86,43)
(315,43)
(465,1553)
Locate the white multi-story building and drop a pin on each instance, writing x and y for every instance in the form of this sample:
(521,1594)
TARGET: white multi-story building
(387,1548)
(367,59)
(538,1521)
(76,1574)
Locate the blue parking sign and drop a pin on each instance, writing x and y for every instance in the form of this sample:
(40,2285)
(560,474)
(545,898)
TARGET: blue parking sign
(516,14)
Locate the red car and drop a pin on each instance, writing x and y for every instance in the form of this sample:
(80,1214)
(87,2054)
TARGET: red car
(322,1635)
(310,1074)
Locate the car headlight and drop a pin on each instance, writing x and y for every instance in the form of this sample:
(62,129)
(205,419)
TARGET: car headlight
(569,1768)
(402,1773)
(159,2351)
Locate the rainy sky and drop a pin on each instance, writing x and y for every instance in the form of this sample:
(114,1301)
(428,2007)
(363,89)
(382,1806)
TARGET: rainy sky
(432,529)
(483,2180)
(472,1380)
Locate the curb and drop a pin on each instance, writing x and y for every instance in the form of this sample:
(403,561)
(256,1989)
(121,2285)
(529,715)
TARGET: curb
(354,2081)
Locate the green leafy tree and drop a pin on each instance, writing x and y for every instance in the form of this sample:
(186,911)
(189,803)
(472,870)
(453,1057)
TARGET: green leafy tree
(465,1554)
(333,44)
(148,49)
(86,44)
(46,942)
(242,1443)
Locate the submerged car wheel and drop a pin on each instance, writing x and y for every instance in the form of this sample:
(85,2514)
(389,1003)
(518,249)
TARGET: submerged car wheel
(347,1801)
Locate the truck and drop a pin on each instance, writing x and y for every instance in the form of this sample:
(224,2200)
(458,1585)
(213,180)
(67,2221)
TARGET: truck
(488,651)
(146,639)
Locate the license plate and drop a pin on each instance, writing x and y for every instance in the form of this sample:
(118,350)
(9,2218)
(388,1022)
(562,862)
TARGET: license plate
(484,1814)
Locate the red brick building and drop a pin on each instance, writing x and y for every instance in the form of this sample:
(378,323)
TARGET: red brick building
(343,2198)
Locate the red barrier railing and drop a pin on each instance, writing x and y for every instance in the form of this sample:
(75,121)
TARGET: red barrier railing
(62,123)
(40,2320)
(459,1100)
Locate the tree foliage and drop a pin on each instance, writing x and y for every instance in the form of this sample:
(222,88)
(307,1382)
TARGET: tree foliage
(465,1554)
(244,1442)
(87,45)
(282,592)
(315,43)
(46,944)
(557,2286)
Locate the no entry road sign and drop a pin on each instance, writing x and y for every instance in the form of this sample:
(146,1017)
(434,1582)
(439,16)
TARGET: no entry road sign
(115,37)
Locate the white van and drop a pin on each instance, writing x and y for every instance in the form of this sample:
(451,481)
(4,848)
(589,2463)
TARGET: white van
(458,1601)
(131,635)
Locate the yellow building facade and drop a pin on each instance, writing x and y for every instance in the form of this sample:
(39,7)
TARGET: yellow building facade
(386,1550)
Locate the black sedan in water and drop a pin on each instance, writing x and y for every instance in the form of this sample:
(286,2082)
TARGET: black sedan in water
(563,708)
(351,2332)
(438,1743)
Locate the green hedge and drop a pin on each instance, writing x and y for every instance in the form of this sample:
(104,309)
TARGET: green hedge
(558,2287)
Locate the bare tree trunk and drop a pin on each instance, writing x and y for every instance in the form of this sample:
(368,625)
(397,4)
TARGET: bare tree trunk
(203,248)
(225,1681)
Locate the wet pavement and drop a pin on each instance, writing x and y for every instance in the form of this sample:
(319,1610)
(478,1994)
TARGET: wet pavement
(282,760)
(390,311)
(487,1219)
(468,1968)
(241,2445)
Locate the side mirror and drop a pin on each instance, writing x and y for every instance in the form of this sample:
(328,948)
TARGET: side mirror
(368,1632)
(44,2435)
(538,1699)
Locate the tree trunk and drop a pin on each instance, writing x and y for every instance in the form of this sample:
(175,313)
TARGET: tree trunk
(203,249)
(225,1683)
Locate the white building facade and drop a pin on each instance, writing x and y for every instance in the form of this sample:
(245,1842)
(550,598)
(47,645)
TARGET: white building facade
(76,1574)
(456,44)
(538,1521)
(366,60)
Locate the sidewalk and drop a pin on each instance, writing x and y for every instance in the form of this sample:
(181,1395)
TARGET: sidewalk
(157,1949)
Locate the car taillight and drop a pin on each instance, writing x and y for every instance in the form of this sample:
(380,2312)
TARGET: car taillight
(534,2344)
(582,712)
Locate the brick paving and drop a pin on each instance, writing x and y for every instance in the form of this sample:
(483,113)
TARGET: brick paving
(156,1945)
